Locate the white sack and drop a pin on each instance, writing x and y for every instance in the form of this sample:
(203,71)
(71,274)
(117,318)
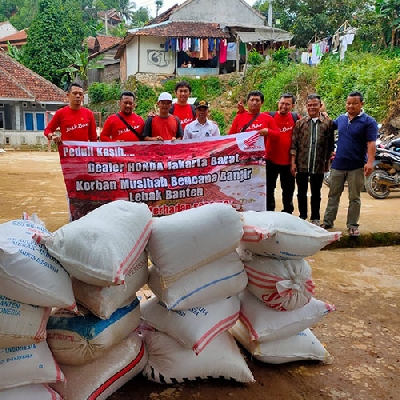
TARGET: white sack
(283,236)
(101,378)
(103,301)
(31,392)
(21,324)
(280,284)
(28,273)
(302,346)
(266,324)
(195,328)
(215,281)
(187,240)
(170,362)
(24,365)
(82,339)
(101,247)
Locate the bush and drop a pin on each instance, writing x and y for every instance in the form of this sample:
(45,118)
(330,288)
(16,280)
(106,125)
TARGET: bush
(254,57)
(99,92)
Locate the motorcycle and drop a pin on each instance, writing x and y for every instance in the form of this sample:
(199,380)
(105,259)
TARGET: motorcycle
(386,175)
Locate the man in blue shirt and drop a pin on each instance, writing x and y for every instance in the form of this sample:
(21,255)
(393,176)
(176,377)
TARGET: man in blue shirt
(355,154)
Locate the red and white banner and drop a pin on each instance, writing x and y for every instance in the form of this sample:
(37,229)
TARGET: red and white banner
(168,176)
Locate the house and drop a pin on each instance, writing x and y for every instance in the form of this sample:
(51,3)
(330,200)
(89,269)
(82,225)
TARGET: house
(6,29)
(105,47)
(214,35)
(17,39)
(26,103)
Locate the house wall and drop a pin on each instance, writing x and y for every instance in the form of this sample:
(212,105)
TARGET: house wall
(19,139)
(223,12)
(146,54)
(6,29)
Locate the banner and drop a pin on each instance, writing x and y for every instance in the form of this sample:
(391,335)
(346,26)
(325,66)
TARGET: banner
(169,176)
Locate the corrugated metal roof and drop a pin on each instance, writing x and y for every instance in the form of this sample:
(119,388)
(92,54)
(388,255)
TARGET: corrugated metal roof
(266,34)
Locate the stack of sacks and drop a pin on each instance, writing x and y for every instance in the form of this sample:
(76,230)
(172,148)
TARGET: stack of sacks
(278,307)
(196,276)
(31,283)
(104,253)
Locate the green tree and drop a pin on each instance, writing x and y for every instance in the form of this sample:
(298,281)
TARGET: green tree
(140,17)
(24,14)
(389,11)
(57,26)
(159,4)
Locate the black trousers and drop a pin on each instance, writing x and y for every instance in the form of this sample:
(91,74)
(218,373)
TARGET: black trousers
(287,185)
(316,181)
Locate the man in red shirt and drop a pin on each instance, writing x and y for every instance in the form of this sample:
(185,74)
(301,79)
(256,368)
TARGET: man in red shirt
(75,122)
(278,153)
(125,125)
(163,126)
(182,109)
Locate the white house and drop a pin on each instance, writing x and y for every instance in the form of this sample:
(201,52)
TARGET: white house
(213,35)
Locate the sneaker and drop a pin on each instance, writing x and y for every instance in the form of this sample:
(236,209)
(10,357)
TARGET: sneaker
(316,222)
(354,232)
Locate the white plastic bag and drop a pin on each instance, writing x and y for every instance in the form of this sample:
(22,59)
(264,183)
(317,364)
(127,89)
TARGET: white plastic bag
(190,239)
(281,284)
(101,378)
(103,301)
(82,339)
(21,324)
(215,281)
(283,236)
(170,362)
(301,346)
(266,324)
(195,327)
(102,247)
(28,273)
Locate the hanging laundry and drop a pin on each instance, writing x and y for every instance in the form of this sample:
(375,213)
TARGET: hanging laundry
(223,47)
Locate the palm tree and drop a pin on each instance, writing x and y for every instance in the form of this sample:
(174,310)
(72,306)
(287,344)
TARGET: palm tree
(159,4)
(126,9)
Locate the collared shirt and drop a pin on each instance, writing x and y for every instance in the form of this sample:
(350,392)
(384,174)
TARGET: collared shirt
(196,130)
(312,144)
(353,138)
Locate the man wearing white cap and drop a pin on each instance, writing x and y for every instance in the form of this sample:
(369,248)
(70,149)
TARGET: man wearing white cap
(201,127)
(163,126)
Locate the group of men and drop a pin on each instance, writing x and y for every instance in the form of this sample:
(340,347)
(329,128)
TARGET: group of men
(298,150)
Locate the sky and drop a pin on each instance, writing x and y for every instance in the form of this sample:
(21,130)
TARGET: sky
(150,4)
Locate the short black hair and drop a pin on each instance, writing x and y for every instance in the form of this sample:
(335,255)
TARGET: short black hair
(356,94)
(314,96)
(76,84)
(256,93)
(130,94)
(288,95)
(183,84)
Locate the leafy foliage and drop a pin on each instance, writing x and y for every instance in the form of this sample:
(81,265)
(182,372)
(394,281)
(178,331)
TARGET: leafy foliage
(58,25)
(100,92)
(254,57)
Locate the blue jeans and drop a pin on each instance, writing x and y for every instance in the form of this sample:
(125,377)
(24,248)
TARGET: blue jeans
(355,179)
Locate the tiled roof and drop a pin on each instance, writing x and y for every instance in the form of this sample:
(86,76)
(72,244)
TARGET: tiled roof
(106,42)
(91,41)
(175,29)
(20,83)
(16,39)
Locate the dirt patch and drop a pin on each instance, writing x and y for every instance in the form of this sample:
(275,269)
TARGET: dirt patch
(362,334)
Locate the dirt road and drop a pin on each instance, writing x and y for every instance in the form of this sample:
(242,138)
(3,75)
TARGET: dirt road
(364,284)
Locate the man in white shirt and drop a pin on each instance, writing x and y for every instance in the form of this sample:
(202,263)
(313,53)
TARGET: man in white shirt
(201,127)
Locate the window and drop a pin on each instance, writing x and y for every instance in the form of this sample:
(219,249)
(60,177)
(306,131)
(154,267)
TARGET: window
(2,122)
(34,121)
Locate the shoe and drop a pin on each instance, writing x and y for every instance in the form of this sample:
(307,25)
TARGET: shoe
(354,232)
(323,226)
(316,222)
